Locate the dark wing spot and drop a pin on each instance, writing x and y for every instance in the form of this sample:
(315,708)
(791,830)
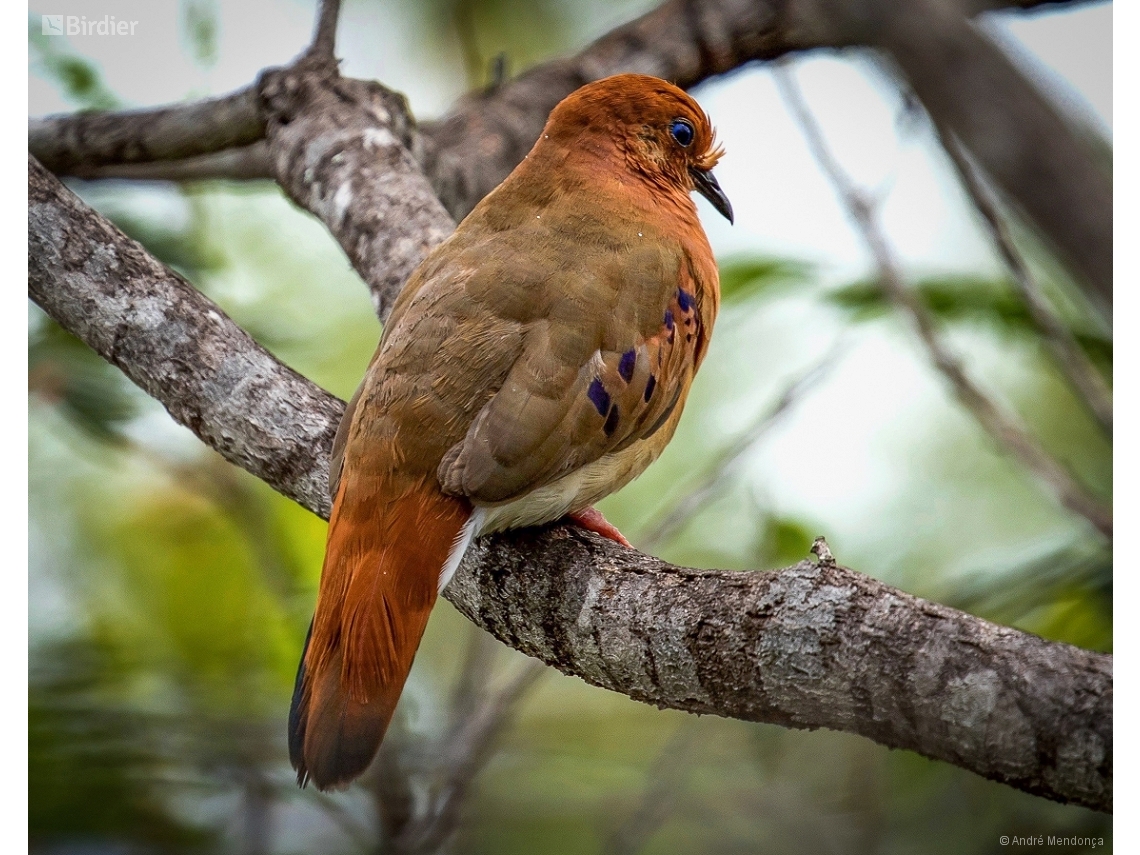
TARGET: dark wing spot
(668,319)
(599,396)
(665,415)
(611,421)
(649,387)
(684,300)
(625,367)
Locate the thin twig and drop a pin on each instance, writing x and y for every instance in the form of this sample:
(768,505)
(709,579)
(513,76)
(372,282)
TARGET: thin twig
(323,47)
(463,756)
(721,466)
(1002,426)
(475,673)
(361,837)
(1086,381)
(665,779)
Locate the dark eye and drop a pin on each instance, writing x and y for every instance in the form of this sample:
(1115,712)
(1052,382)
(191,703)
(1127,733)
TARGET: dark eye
(682,132)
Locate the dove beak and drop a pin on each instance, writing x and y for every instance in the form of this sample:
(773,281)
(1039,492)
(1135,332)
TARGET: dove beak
(705,183)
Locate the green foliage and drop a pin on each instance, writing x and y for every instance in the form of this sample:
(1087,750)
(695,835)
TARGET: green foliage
(92,394)
(746,278)
(972,299)
(79,79)
(200,25)
(91,760)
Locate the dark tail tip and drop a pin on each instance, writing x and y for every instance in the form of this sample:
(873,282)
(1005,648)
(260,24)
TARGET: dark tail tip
(298,718)
(332,738)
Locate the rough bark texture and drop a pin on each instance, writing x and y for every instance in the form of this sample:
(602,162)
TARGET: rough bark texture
(804,647)
(177,345)
(808,646)
(80,143)
(962,78)
(341,150)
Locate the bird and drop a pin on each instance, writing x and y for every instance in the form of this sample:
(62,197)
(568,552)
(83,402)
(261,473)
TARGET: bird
(536,361)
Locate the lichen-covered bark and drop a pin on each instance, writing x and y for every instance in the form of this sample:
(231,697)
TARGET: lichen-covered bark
(341,150)
(964,81)
(177,345)
(808,646)
(79,143)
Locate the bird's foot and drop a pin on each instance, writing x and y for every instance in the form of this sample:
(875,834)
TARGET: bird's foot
(591,519)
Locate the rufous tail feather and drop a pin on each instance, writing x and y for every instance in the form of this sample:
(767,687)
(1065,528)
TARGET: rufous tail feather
(388,540)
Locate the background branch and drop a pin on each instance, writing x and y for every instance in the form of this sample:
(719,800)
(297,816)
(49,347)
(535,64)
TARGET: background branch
(79,143)
(1001,425)
(807,646)
(963,79)
(725,462)
(1090,387)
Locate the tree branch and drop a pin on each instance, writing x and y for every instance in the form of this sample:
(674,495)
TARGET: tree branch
(1037,156)
(244,163)
(809,646)
(323,47)
(1001,425)
(963,79)
(79,143)
(176,345)
(340,149)
(1090,387)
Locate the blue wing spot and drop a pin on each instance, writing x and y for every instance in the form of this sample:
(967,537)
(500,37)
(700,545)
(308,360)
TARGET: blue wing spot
(625,367)
(668,319)
(611,421)
(599,396)
(684,300)
(649,387)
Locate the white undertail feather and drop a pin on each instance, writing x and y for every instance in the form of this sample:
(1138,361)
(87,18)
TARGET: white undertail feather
(458,549)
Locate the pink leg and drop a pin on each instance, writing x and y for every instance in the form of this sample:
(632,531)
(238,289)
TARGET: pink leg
(592,520)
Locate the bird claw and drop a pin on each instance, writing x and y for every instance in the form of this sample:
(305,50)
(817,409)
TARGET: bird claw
(591,519)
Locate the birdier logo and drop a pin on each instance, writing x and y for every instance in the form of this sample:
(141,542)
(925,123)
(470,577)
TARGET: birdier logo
(81,25)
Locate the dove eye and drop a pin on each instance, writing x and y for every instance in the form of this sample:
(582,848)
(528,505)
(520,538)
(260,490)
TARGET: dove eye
(682,132)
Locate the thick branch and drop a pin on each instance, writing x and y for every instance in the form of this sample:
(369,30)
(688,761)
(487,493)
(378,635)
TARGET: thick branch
(176,345)
(340,149)
(1037,157)
(809,646)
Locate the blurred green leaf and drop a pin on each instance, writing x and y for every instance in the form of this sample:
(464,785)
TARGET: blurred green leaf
(200,24)
(90,773)
(1065,595)
(744,278)
(92,394)
(76,76)
(972,299)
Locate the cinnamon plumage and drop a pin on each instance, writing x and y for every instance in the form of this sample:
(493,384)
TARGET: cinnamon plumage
(537,361)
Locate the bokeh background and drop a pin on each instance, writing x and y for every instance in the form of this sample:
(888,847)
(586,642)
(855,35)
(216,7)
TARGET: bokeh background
(170,592)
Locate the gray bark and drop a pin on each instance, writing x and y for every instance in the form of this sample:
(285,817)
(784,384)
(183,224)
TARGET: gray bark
(177,345)
(809,646)
(962,78)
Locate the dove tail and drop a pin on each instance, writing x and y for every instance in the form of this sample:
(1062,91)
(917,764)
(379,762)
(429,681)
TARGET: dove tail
(388,540)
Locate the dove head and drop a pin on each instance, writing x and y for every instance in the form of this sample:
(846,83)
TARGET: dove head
(659,131)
